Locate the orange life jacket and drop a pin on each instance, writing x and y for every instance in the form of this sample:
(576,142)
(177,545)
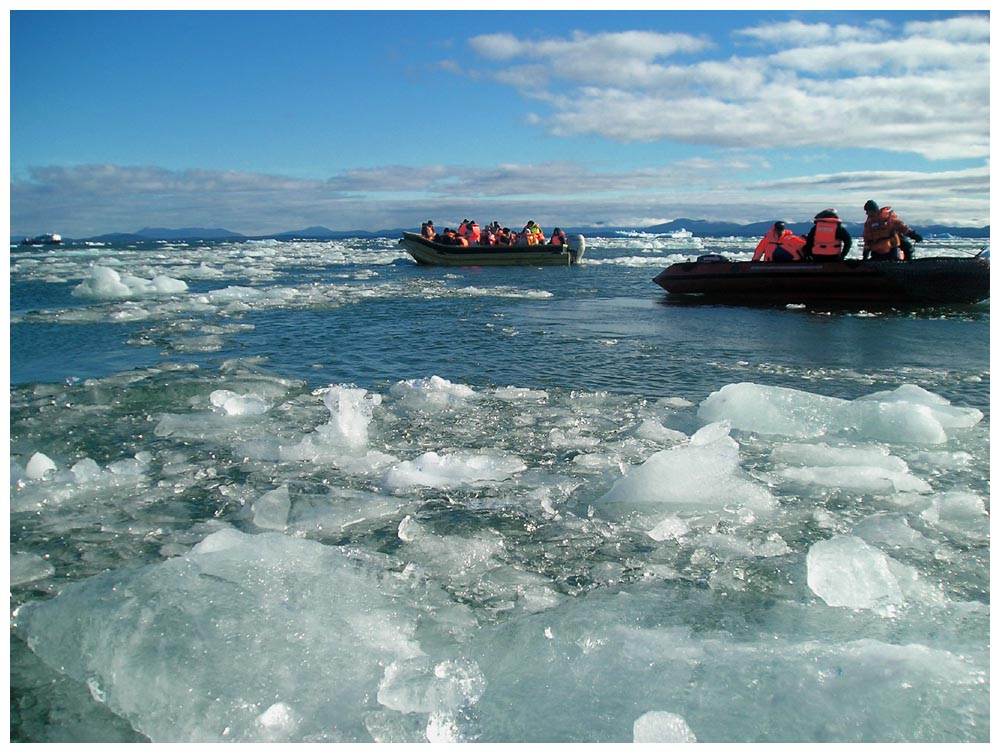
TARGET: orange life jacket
(473,233)
(462,241)
(825,240)
(882,235)
(558,239)
(788,241)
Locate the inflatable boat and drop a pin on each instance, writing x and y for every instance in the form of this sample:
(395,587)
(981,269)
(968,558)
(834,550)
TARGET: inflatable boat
(442,254)
(932,281)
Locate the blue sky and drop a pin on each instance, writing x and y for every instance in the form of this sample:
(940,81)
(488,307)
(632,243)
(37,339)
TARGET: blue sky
(261,122)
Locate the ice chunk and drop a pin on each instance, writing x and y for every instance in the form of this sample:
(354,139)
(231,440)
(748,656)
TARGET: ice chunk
(26,567)
(421,685)
(107,283)
(864,479)
(278,721)
(702,475)
(661,727)
(847,572)
(908,415)
(271,510)
(892,530)
(431,395)
(655,431)
(949,416)
(960,514)
(38,466)
(822,454)
(245,638)
(771,410)
(451,470)
(670,527)
(86,471)
(899,422)
(233,404)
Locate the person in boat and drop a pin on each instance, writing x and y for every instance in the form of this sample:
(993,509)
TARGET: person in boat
(779,244)
(506,237)
(827,239)
(558,238)
(449,237)
(531,235)
(427,230)
(885,235)
(472,232)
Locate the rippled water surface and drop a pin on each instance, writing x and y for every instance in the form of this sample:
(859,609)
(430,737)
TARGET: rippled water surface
(311,491)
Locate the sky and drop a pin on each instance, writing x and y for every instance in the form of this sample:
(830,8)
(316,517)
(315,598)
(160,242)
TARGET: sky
(267,121)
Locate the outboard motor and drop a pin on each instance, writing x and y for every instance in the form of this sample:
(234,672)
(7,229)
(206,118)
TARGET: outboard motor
(577,245)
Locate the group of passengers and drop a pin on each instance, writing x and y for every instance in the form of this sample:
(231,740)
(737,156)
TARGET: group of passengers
(885,238)
(470,234)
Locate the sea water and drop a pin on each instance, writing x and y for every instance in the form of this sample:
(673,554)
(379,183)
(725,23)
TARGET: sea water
(311,491)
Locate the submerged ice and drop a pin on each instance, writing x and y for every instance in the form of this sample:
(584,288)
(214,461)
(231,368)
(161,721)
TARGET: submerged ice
(433,561)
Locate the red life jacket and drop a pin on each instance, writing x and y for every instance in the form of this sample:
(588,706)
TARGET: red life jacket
(473,233)
(558,239)
(825,240)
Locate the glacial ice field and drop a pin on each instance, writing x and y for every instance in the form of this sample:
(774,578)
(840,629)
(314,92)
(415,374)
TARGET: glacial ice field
(311,492)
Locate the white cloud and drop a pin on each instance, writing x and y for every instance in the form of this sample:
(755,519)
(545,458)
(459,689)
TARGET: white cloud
(922,88)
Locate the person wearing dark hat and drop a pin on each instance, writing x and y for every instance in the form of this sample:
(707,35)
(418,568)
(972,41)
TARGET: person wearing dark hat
(885,235)
(828,239)
(779,244)
(427,230)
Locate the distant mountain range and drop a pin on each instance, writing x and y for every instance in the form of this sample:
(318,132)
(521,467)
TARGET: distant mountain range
(701,228)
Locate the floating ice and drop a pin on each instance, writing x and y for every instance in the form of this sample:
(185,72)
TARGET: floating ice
(703,475)
(450,470)
(771,410)
(661,727)
(343,439)
(106,283)
(233,404)
(821,454)
(959,513)
(845,571)
(431,395)
(245,638)
(26,567)
(863,479)
(907,415)
(891,530)
(271,510)
(38,466)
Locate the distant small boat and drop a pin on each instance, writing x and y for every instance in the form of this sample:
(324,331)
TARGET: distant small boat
(48,239)
(933,281)
(442,254)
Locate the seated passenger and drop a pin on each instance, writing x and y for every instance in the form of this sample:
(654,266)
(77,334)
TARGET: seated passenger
(828,239)
(531,235)
(472,232)
(558,238)
(427,230)
(449,237)
(779,244)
